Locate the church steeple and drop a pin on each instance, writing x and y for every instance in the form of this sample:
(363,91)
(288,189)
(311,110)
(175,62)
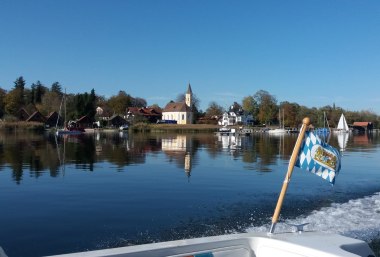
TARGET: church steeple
(189,96)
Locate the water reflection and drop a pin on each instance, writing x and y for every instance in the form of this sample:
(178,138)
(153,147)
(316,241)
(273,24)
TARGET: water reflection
(38,154)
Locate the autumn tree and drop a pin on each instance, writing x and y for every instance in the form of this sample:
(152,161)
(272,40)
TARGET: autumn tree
(120,102)
(213,110)
(51,101)
(289,111)
(267,106)
(14,100)
(2,106)
(250,105)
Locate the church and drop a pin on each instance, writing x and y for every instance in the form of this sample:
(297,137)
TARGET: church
(181,112)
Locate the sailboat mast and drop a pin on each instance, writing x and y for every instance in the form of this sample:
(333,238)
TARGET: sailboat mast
(64,121)
(59,114)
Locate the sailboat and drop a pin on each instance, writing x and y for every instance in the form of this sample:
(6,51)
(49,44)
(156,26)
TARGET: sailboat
(342,125)
(280,130)
(70,128)
(325,131)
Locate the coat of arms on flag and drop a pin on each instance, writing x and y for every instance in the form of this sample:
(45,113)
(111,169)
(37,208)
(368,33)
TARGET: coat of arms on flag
(318,157)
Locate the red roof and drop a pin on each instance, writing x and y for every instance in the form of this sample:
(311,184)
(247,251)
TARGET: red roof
(362,123)
(148,111)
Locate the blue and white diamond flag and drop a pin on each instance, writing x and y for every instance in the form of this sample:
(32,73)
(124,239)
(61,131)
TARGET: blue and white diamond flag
(318,157)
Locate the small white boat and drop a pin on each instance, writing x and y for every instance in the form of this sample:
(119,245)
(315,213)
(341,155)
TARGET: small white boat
(226,131)
(123,127)
(245,131)
(69,132)
(342,125)
(277,131)
(281,130)
(260,244)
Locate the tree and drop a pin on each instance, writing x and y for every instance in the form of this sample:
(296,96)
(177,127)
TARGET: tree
(56,88)
(267,106)
(250,105)
(139,102)
(120,102)
(16,100)
(214,110)
(51,101)
(195,100)
(13,101)
(20,83)
(90,105)
(290,110)
(2,106)
(37,91)
(235,107)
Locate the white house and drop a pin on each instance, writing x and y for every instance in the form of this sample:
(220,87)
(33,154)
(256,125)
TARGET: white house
(233,118)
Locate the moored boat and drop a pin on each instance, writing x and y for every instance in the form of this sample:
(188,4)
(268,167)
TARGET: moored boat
(342,125)
(124,127)
(281,130)
(71,127)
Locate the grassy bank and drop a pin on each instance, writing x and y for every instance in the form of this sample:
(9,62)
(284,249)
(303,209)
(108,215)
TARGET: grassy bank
(21,126)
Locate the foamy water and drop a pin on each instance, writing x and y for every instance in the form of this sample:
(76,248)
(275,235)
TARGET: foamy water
(359,218)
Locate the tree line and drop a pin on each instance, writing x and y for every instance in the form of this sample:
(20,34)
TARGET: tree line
(262,105)
(49,99)
(265,110)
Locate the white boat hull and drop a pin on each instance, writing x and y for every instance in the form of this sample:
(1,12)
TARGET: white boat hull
(278,131)
(312,244)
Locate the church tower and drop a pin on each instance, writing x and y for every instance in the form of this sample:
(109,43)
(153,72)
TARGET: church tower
(189,97)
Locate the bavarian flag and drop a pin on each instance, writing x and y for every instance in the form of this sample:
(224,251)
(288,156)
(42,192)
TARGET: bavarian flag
(318,157)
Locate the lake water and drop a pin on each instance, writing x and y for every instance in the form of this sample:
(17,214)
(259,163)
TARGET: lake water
(67,194)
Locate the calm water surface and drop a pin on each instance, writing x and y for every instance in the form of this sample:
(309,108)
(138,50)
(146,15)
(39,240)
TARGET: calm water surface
(66,194)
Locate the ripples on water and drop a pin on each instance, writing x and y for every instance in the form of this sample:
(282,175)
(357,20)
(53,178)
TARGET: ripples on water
(111,189)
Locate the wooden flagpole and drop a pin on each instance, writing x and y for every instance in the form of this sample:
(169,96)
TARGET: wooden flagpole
(293,159)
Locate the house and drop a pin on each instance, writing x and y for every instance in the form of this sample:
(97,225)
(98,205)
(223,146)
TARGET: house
(36,117)
(362,126)
(84,122)
(54,119)
(116,121)
(22,114)
(180,112)
(228,119)
(231,118)
(150,114)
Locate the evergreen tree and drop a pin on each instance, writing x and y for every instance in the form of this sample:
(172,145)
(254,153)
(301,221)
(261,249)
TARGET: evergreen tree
(57,88)
(20,83)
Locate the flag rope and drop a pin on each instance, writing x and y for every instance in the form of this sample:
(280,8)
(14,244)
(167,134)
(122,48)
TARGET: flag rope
(293,159)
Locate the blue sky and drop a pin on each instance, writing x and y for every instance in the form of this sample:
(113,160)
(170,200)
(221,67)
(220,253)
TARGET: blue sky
(312,52)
